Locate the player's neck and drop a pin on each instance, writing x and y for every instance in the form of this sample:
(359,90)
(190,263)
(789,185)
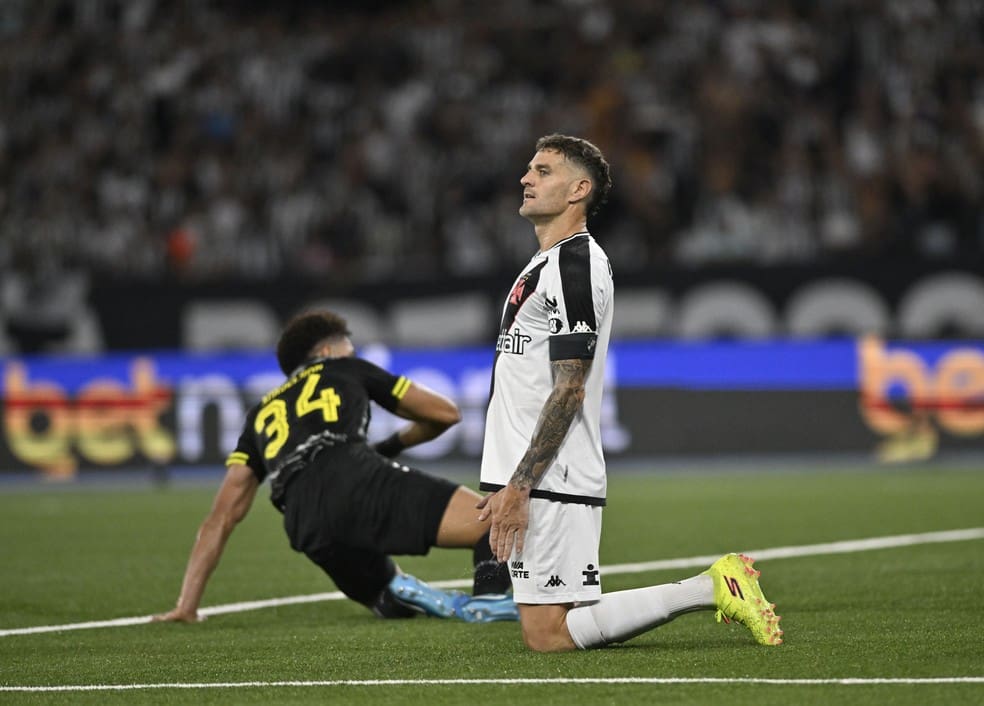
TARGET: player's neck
(549,233)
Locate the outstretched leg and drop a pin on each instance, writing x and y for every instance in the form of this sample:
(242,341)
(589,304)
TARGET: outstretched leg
(730,586)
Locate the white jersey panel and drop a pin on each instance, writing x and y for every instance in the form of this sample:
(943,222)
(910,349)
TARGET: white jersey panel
(560,307)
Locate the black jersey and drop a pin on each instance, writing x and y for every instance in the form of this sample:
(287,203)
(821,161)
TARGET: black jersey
(322,406)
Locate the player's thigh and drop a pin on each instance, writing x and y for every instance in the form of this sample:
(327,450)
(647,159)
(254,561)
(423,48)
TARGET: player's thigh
(397,511)
(460,526)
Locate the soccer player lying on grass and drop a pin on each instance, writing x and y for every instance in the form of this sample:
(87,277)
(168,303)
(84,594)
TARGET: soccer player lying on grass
(346,505)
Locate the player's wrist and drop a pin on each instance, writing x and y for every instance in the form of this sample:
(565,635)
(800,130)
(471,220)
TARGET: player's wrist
(520,487)
(390,447)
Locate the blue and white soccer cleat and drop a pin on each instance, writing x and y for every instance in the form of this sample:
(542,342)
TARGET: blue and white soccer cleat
(488,608)
(413,592)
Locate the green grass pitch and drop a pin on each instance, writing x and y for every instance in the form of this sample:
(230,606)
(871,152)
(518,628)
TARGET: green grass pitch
(94,553)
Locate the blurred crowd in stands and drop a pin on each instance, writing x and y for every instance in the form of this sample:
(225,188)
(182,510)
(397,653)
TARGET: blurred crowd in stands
(373,140)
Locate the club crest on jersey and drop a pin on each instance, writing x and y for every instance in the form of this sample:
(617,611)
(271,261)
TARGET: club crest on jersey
(514,342)
(516,296)
(556,325)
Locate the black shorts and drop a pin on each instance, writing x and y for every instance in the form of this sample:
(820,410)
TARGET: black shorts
(353,497)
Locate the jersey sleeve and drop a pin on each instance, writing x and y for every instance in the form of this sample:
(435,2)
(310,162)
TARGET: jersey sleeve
(578,298)
(384,388)
(247,453)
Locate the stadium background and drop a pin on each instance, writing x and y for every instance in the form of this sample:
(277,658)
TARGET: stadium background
(797,226)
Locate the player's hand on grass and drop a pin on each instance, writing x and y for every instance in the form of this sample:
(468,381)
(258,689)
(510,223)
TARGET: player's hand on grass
(509,509)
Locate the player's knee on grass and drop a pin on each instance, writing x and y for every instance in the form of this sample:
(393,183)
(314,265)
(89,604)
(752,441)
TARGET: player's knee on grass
(544,628)
(548,641)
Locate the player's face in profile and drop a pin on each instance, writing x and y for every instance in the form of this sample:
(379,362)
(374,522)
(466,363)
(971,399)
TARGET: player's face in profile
(547,185)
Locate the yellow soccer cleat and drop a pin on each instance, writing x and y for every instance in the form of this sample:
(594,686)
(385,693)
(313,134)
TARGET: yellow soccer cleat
(740,599)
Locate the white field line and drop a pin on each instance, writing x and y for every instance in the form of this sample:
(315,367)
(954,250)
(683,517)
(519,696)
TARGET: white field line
(849,681)
(804,550)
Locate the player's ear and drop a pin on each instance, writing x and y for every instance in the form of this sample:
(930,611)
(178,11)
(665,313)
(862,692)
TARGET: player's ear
(580,190)
(348,348)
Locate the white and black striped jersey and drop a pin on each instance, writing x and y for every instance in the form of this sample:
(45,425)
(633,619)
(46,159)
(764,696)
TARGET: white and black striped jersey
(560,308)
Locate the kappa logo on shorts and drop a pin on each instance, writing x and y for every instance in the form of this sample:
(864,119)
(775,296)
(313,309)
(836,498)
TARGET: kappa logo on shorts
(591,576)
(554,582)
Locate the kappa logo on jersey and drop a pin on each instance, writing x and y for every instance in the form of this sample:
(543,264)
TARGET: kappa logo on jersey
(514,342)
(581,327)
(554,582)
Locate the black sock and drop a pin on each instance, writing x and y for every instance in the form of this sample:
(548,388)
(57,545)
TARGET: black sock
(491,575)
(389,606)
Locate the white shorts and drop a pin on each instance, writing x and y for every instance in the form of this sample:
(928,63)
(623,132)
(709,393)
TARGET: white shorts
(559,562)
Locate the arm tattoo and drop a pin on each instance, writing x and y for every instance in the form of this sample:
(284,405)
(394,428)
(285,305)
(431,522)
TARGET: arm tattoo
(556,417)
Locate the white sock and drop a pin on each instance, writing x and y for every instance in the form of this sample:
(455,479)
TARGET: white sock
(621,615)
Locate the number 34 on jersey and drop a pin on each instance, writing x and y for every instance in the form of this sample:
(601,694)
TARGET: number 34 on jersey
(274,419)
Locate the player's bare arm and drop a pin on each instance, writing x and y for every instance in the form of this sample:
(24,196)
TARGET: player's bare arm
(509,507)
(431,414)
(232,501)
(558,414)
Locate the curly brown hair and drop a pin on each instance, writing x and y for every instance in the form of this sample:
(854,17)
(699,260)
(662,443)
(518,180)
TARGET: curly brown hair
(587,156)
(303,333)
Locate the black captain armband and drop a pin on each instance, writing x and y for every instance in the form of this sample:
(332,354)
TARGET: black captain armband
(390,447)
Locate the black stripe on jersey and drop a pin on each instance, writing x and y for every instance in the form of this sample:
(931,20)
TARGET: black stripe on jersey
(550,495)
(574,346)
(575,280)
